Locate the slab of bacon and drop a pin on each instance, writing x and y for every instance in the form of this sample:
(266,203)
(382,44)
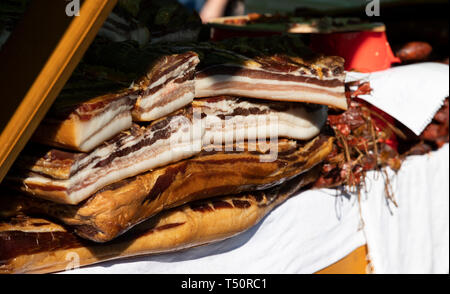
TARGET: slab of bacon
(86,114)
(187,226)
(227,119)
(72,177)
(167,87)
(277,78)
(268,72)
(118,207)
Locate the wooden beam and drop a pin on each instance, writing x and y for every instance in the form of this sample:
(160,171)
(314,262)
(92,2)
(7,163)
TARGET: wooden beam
(37,61)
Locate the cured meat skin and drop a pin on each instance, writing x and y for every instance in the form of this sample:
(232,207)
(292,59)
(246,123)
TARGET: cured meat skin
(190,225)
(118,207)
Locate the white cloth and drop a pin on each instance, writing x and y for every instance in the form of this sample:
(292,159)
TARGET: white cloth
(412,238)
(410,93)
(317,228)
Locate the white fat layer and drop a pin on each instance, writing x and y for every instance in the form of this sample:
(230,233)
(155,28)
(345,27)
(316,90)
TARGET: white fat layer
(178,72)
(316,98)
(118,124)
(202,90)
(88,128)
(295,123)
(207,82)
(158,112)
(166,92)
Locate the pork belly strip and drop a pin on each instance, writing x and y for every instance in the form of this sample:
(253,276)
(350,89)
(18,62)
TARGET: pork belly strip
(319,86)
(118,207)
(166,89)
(81,123)
(139,149)
(188,226)
(228,119)
(70,177)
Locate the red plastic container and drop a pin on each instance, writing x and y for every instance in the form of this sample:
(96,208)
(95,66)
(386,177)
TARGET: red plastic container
(364,51)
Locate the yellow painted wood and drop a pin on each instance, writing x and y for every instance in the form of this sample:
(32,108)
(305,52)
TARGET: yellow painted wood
(354,263)
(37,61)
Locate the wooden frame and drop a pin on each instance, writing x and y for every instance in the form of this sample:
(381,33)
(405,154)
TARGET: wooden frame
(37,61)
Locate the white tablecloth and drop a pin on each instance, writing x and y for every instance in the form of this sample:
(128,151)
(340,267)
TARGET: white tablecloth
(413,237)
(317,228)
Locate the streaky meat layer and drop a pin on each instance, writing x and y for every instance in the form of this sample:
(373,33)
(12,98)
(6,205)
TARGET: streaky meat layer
(166,89)
(255,81)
